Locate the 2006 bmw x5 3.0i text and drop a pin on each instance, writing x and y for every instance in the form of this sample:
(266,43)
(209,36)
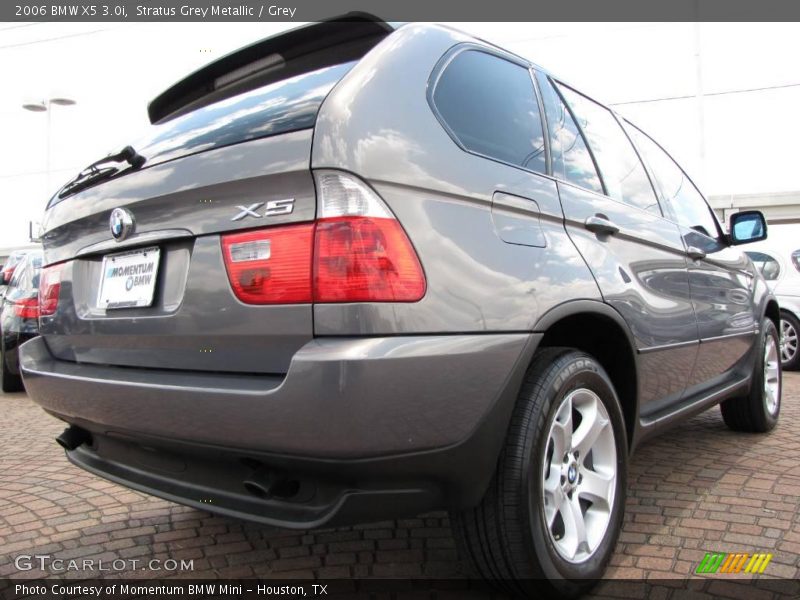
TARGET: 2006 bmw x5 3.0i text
(356,272)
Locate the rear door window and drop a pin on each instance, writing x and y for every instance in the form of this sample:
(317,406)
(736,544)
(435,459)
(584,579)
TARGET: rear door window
(570,157)
(677,190)
(489,107)
(620,167)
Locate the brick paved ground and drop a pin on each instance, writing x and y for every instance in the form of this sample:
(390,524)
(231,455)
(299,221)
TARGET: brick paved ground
(696,488)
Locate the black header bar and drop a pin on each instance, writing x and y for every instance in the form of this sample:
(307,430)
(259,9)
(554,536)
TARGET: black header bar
(399,10)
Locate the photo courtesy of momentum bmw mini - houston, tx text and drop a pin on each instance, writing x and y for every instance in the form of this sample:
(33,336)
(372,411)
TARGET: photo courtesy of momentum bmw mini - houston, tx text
(360,271)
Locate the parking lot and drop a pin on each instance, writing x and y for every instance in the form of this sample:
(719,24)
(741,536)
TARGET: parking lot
(697,488)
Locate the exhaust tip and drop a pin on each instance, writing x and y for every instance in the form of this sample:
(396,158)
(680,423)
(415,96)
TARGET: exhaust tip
(266,484)
(256,490)
(72,437)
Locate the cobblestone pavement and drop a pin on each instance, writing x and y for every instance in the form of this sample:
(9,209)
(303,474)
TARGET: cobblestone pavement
(696,488)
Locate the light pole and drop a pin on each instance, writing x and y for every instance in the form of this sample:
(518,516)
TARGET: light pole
(47,106)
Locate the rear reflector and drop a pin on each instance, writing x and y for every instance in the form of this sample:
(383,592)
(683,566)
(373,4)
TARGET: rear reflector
(360,253)
(27,308)
(270,266)
(49,290)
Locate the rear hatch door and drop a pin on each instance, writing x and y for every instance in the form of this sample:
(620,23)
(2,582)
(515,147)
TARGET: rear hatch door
(227,143)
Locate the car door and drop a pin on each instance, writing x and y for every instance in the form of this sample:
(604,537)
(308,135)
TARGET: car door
(721,277)
(637,256)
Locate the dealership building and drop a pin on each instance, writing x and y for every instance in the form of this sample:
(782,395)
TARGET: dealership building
(779,208)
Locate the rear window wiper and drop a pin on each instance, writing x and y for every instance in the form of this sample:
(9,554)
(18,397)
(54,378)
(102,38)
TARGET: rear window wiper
(95,173)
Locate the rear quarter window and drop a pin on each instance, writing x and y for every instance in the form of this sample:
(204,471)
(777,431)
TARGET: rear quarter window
(489,106)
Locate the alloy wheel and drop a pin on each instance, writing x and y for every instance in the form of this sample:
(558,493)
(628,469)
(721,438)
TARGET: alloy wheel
(579,476)
(788,341)
(772,379)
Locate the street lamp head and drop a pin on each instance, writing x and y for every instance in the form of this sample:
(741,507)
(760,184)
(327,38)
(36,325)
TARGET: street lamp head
(62,101)
(35,106)
(43,105)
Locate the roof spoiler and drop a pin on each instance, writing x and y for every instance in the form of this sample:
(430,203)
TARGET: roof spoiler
(326,43)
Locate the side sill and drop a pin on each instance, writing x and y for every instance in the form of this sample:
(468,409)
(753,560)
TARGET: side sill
(660,421)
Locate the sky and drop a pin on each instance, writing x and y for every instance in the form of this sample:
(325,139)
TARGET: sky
(722,98)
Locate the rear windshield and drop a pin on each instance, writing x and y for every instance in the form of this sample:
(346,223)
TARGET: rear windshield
(281,107)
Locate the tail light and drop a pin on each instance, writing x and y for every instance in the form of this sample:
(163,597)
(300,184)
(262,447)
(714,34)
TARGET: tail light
(27,308)
(356,251)
(6,274)
(362,253)
(49,290)
(270,266)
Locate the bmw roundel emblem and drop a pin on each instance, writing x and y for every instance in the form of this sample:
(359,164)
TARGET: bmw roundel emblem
(121,223)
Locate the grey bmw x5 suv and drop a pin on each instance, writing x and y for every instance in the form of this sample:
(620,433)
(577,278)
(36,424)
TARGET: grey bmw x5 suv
(355,272)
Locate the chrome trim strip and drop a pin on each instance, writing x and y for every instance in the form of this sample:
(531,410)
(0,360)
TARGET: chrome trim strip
(718,338)
(650,349)
(728,336)
(137,240)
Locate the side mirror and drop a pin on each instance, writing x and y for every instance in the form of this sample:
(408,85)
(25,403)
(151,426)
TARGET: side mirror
(747,226)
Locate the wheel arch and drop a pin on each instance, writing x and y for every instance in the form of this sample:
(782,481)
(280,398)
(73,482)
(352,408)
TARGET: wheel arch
(609,341)
(773,312)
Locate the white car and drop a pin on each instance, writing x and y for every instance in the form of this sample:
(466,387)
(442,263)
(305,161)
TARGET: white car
(778,259)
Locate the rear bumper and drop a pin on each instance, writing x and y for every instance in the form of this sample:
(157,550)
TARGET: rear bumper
(415,420)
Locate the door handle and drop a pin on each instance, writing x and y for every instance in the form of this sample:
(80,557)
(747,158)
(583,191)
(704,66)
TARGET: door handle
(695,253)
(600,224)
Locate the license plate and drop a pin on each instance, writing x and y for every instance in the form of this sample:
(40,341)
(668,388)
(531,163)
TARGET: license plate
(129,279)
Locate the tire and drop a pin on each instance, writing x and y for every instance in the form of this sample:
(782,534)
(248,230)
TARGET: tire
(10,381)
(758,410)
(790,336)
(506,538)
